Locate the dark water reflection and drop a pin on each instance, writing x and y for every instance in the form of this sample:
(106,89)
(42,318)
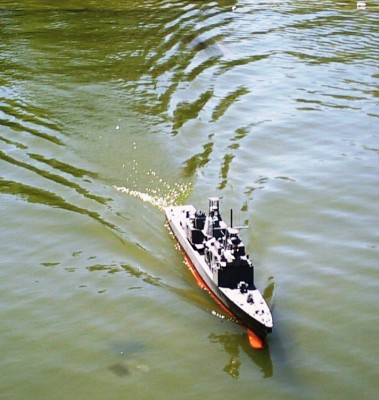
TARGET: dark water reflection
(233,344)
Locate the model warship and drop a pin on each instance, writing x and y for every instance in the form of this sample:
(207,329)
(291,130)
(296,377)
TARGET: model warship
(218,255)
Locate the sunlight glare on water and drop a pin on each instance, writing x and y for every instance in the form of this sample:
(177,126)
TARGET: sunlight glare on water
(160,194)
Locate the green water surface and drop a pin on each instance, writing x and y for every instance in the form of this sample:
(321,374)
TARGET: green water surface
(110,110)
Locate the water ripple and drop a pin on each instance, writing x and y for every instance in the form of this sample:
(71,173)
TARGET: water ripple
(35,195)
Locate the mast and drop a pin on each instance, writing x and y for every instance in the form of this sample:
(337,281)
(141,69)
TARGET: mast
(214,216)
